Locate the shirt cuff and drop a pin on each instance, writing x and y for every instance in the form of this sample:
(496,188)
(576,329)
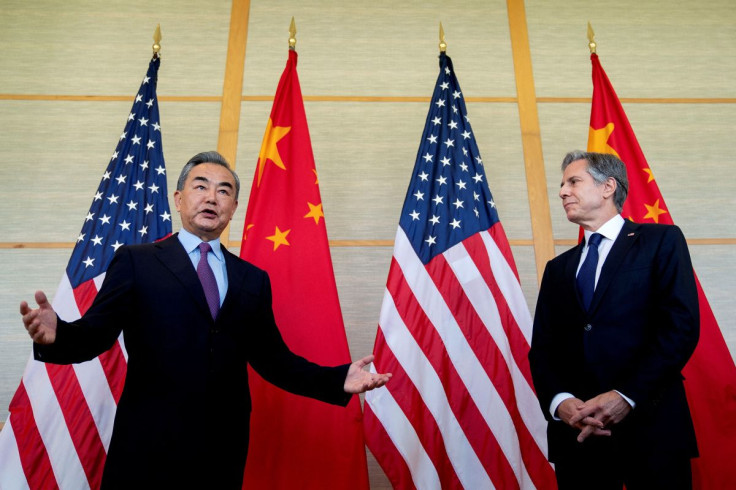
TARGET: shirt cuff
(557,400)
(628,400)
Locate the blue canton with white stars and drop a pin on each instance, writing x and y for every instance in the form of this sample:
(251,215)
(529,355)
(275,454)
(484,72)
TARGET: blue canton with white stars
(448,198)
(131,203)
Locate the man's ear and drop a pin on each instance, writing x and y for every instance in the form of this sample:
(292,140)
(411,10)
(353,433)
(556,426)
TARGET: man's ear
(609,187)
(177,199)
(235,208)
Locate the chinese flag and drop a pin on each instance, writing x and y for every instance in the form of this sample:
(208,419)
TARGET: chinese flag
(710,375)
(297,442)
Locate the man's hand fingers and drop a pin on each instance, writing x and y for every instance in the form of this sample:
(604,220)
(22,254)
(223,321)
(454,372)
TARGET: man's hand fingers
(592,421)
(582,413)
(41,300)
(365,361)
(587,431)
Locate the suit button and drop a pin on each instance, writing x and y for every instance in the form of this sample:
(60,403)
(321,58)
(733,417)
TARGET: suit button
(588,327)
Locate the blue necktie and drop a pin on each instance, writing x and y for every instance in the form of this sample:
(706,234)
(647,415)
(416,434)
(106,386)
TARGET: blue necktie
(207,277)
(586,274)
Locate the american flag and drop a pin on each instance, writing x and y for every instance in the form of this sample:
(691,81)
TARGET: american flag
(454,328)
(61,417)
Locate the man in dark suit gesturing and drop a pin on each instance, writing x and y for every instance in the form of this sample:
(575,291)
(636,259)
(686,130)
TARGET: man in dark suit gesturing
(616,321)
(193,317)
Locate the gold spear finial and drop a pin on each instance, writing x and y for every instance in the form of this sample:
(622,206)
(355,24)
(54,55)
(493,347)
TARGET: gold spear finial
(292,35)
(443,44)
(157,41)
(591,38)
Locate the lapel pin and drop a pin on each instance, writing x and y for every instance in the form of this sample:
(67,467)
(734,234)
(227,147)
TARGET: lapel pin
(630,234)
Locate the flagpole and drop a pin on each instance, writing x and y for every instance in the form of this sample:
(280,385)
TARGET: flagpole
(292,35)
(443,44)
(591,39)
(157,41)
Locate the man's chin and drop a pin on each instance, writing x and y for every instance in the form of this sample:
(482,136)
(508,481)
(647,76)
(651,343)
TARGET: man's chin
(212,230)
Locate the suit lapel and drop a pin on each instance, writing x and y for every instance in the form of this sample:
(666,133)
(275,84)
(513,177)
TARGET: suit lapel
(571,269)
(173,256)
(235,279)
(626,238)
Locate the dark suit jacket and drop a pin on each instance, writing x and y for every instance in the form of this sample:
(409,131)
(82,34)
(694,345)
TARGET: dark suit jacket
(641,329)
(183,417)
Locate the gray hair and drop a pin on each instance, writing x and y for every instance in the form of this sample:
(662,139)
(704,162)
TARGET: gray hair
(602,166)
(206,157)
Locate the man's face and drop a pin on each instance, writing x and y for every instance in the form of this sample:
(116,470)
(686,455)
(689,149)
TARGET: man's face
(586,203)
(207,201)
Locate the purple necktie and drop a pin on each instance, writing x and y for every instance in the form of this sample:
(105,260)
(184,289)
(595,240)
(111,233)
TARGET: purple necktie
(207,277)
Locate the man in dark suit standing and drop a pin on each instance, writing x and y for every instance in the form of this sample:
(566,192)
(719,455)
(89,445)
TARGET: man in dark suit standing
(193,317)
(616,321)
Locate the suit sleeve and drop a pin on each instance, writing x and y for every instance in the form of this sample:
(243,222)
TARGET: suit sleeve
(273,360)
(676,316)
(550,354)
(98,329)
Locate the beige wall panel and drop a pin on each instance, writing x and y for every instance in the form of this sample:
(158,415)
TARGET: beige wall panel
(564,127)
(53,155)
(365,153)
(55,152)
(86,47)
(187,128)
(715,266)
(380,48)
(648,49)
(686,148)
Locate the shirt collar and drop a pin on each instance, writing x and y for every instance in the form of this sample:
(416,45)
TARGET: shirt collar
(190,242)
(610,229)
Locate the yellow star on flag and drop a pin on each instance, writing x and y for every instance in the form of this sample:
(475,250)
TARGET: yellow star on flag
(649,172)
(269,150)
(654,211)
(315,211)
(279,238)
(598,139)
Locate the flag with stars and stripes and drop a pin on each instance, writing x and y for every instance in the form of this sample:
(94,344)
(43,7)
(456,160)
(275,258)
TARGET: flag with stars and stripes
(454,328)
(61,417)
(710,374)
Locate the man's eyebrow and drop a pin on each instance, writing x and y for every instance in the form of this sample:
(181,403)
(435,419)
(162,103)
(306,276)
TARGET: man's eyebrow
(224,183)
(205,179)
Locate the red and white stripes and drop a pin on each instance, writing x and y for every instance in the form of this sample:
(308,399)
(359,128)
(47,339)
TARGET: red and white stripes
(460,410)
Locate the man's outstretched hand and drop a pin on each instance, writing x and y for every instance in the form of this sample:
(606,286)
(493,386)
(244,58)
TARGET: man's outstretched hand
(359,380)
(40,322)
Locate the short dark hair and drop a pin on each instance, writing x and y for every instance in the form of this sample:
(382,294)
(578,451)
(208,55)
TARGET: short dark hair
(602,166)
(206,157)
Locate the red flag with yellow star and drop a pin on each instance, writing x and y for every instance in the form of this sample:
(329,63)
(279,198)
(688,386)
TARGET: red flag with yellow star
(710,375)
(297,442)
